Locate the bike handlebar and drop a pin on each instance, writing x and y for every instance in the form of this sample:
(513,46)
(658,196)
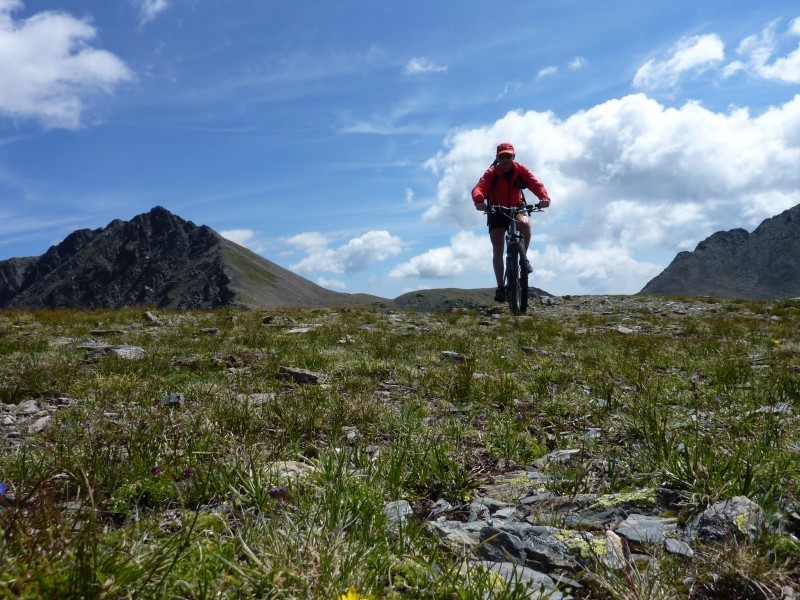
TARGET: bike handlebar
(528,208)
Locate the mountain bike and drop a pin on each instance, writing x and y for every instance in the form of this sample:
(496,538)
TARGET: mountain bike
(516,275)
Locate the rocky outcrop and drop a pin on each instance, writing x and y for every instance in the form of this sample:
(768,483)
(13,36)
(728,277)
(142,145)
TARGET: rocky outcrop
(156,259)
(762,265)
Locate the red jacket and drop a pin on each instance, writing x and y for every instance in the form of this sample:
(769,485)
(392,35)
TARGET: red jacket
(505,192)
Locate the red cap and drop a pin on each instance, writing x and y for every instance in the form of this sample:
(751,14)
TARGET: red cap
(505,148)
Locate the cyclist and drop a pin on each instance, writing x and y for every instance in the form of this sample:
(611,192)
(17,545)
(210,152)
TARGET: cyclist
(502,184)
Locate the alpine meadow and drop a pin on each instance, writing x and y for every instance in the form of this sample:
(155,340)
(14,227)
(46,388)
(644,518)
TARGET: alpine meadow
(600,447)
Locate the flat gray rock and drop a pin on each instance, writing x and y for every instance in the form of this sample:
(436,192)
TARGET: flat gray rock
(647,530)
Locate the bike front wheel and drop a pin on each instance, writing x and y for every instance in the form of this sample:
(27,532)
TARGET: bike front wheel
(516,281)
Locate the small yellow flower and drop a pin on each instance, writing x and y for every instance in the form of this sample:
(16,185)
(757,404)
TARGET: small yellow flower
(776,342)
(352,594)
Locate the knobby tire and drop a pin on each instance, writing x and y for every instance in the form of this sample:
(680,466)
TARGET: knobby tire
(523,286)
(514,281)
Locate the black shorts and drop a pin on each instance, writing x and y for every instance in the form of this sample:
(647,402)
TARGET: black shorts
(497,220)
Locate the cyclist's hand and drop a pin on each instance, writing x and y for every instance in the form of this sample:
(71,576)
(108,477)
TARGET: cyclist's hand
(544,203)
(481,206)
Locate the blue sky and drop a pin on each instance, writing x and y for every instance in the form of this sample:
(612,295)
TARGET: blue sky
(341,140)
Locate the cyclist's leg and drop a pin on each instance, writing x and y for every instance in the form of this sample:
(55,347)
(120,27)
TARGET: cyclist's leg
(497,236)
(524,227)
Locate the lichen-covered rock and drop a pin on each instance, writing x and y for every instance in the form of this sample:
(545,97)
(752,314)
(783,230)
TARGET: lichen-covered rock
(737,517)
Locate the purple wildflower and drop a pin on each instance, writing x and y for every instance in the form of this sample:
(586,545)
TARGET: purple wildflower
(155,470)
(188,473)
(3,489)
(278,492)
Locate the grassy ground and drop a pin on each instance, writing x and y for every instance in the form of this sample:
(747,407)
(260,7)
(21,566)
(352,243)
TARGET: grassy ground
(280,495)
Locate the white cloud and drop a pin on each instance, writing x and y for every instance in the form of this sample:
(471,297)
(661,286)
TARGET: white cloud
(333,284)
(245,237)
(466,252)
(150,9)
(310,239)
(547,71)
(47,68)
(6,6)
(600,268)
(760,49)
(423,65)
(694,54)
(578,63)
(409,195)
(628,178)
(354,256)
(509,88)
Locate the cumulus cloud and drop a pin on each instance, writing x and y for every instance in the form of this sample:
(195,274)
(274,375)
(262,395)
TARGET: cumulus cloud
(48,69)
(245,237)
(466,252)
(150,9)
(694,54)
(354,256)
(599,268)
(423,65)
(759,51)
(629,178)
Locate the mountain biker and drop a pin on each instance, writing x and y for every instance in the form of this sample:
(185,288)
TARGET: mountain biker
(502,185)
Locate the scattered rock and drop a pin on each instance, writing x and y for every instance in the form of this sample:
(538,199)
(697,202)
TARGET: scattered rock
(259,399)
(737,517)
(559,456)
(642,529)
(39,424)
(301,375)
(288,471)
(300,330)
(678,547)
(398,511)
(152,319)
(174,400)
(28,407)
(538,585)
(106,332)
(125,352)
(454,356)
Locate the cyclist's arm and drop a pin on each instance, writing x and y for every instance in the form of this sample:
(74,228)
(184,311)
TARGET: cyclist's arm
(480,193)
(536,186)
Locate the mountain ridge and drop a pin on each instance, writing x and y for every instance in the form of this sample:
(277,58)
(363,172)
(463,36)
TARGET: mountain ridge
(762,265)
(156,258)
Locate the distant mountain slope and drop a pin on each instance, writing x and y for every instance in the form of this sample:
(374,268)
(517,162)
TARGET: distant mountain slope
(762,265)
(158,259)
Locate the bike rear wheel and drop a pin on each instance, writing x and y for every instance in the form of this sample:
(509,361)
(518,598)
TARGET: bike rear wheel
(517,299)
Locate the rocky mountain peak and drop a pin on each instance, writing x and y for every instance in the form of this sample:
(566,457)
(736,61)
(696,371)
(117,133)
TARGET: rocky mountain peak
(762,265)
(157,258)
